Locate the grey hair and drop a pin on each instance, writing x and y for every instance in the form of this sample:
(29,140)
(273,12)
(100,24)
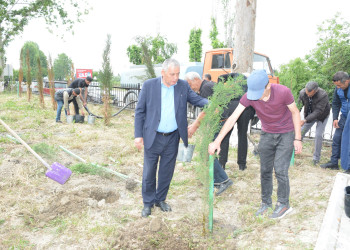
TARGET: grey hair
(341,76)
(310,86)
(170,62)
(192,75)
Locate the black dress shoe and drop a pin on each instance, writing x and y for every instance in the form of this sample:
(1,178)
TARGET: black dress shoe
(146,211)
(330,165)
(224,186)
(163,206)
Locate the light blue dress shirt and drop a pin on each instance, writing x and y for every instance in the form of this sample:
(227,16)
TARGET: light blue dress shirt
(167,117)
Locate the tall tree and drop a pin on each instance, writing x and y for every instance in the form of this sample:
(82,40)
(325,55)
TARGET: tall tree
(106,80)
(62,67)
(295,75)
(34,53)
(195,43)
(229,20)
(29,77)
(333,44)
(52,83)
(20,73)
(15,15)
(244,36)
(134,53)
(213,35)
(158,48)
(40,84)
(147,60)
(331,54)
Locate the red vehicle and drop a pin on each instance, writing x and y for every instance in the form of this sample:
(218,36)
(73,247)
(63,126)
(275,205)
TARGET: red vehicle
(58,85)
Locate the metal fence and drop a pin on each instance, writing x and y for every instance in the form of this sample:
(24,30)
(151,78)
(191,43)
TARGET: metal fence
(120,96)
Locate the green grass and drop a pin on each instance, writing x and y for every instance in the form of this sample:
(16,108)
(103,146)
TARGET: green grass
(88,168)
(45,150)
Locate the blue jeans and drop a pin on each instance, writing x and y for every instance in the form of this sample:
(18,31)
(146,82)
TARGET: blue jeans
(320,126)
(59,109)
(275,154)
(336,144)
(220,175)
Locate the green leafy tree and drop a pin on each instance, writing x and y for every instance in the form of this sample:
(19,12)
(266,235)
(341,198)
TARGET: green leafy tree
(295,75)
(29,77)
(333,33)
(158,49)
(331,54)
(213,35)
(115,79)
(106,80)
(147,60)
(34,53)
(134,53)
(195,43)
(62,67)
(15,15)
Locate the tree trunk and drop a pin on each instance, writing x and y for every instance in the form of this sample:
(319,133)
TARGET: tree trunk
(106,109)
(2,56)
(244,36)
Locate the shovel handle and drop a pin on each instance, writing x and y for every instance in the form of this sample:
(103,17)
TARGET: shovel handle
(25,144)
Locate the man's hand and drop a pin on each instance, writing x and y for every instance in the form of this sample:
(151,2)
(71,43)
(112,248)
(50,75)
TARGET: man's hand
(302,122)
(335,124)
(82,113)
(85,103)
(138,143)
(214,147)
(68,113)
(191,129)
(297,147)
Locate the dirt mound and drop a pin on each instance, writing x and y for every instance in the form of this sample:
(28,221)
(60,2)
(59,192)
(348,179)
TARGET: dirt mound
(77,195)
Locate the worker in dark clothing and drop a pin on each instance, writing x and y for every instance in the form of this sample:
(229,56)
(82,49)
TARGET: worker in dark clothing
(63,97)
(205,89)
(242,128)
(340,104)
(83,85)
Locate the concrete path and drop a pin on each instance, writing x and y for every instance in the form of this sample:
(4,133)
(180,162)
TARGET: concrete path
(335,229)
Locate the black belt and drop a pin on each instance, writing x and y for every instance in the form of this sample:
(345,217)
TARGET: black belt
(166,134)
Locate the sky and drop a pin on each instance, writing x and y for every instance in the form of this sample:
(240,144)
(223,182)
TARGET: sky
(285,29)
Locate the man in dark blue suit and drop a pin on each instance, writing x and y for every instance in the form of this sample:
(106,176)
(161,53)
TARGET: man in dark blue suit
(160,122)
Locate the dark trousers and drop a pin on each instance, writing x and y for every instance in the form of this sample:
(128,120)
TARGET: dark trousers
(242,129)
(76,107)
(275,154)
(336,143)
(164,150)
